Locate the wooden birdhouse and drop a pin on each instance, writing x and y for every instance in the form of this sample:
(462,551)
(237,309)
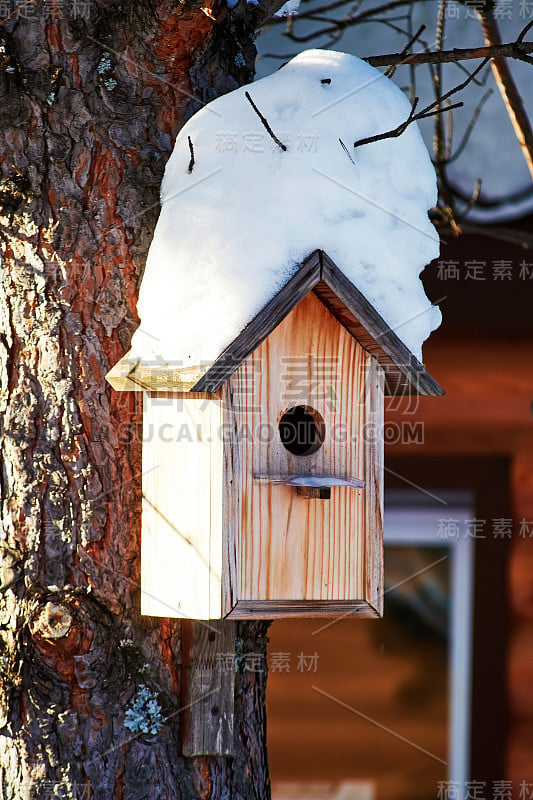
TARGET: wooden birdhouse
(263,471)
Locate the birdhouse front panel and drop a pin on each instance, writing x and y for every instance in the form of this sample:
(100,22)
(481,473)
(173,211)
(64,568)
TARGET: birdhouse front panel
(304,531)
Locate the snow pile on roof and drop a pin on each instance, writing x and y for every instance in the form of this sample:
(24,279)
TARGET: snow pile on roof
(234,230)
(492,153)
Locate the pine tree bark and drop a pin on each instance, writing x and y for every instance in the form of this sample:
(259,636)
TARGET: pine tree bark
(92,97)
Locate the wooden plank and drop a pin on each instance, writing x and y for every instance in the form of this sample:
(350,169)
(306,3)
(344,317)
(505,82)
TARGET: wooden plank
(132,375)
(181,535)
(208,688)
(232,481)
(270,609)
(361,318)
(291,548)
(261,326)
(374,479)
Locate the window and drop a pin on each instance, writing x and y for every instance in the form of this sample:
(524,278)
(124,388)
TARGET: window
(380,709)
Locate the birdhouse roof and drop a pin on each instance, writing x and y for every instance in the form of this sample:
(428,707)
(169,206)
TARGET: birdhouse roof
(404,373)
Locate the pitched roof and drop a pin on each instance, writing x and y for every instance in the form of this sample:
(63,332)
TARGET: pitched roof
(404,374)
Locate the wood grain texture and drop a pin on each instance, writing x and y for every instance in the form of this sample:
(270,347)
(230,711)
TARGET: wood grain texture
(286,548)
(181,536)
(404,373)
(208,687)
(287,609)
(131,375)
(374,480)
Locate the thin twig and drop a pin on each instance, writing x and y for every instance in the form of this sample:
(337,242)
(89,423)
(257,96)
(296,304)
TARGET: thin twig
(443,110)
(474,197)
(470,127)
(191,148)
(412,70)
(520,238)
(427,112)
(348,20)
(392,69)
(523,32)
(495,203)
(265,122)
(346,151)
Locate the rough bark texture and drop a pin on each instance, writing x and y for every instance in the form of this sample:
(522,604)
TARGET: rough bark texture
(92,98)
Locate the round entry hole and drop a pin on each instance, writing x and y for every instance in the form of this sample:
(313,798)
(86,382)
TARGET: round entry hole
(302,430)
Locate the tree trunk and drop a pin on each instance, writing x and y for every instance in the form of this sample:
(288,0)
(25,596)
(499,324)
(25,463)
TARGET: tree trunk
(92,97)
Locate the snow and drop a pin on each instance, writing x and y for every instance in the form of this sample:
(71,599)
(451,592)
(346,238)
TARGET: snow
(234,230)
(492,153)
(289,8)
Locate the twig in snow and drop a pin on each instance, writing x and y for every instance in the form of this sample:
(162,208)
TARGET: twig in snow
(346,151)
(191,148)
(265,122)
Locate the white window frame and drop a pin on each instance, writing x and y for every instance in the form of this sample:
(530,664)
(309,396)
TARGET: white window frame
(415,523)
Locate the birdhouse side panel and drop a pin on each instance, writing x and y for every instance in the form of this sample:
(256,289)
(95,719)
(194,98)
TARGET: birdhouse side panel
(181,536)
(291,546)
(374,474)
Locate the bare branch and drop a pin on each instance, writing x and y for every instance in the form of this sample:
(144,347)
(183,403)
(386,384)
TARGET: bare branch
(489,204)
(474,197)
(458,88)
(523,239)
(348,21)
(507,86)
(427,112)
(391,70)
(265,122)
(510,50)
(470,127)
(392,133)
(431,110)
